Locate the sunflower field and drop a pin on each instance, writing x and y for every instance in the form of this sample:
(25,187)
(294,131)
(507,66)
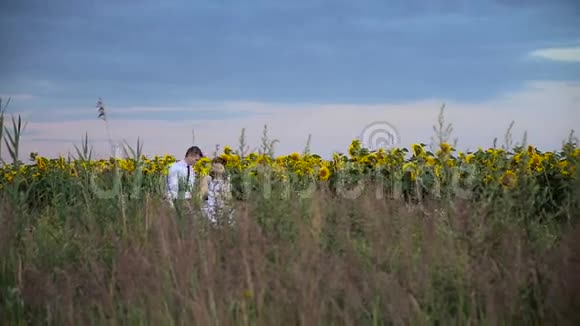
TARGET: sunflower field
(414,173)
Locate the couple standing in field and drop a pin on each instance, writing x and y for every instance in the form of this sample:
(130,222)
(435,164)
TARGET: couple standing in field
(214,189)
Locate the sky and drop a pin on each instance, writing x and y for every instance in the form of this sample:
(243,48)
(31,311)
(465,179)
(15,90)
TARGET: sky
(322,68)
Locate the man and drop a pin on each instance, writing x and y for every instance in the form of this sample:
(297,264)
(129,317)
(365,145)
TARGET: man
(181,176)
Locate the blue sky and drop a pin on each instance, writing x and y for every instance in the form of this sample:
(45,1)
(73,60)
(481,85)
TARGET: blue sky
(184,59)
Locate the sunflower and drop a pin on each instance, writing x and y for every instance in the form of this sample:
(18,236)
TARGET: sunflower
(280,160)
(437,170)
(518,158)
(418,150)
(324,173)
(566,168)
(430,161)
(41,162)
(61,163)
(411,167)
(354,147)
(233,161)
(202,166)
(295,156)
(469,158)
(168,159)
(365,159)
(9,177)
(535,163)
(225,157)
(263,159)
(445,148)
(381,153)
(509,179)
(127,165)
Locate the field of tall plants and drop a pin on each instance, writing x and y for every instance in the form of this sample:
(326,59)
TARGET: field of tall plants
(419,235)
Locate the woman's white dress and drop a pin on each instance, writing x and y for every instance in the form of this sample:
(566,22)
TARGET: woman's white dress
(218,203)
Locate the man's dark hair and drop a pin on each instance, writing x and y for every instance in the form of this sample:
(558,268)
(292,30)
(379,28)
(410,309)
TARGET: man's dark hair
(193,150)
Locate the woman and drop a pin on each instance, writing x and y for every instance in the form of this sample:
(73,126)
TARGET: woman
(218,195)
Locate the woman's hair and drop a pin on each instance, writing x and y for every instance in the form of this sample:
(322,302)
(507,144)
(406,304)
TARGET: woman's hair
(216,160)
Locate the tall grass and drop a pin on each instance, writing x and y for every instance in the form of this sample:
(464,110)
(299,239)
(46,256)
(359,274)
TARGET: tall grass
(81,259)
(287,261)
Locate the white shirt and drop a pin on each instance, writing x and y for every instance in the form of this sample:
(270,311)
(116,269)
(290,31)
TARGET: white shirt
(177,175)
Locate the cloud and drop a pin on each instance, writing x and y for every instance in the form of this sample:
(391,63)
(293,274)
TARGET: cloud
(568,54)
(217,107)
(546,110)
(195,110)
(18,96)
